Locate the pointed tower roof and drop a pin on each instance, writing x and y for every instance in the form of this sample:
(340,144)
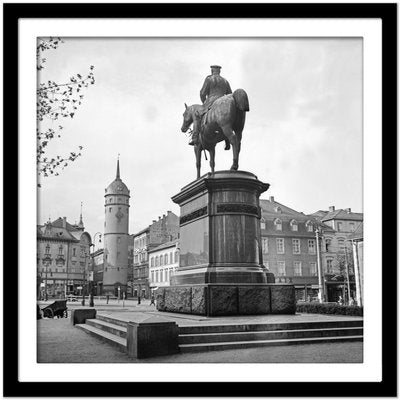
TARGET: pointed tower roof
(117,186)
(80,225)
(117,177)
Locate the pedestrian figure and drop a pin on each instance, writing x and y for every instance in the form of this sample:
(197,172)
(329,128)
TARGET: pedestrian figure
(351,302)
(152,302)
(138,299)
(340,301)
(108,298)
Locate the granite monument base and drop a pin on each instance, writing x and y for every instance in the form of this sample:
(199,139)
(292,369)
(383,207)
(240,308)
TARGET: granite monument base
(228,299)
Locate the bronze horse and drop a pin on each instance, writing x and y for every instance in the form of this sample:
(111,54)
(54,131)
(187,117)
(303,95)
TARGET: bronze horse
(224,121)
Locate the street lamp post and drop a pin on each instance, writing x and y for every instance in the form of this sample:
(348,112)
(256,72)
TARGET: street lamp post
(321,289)
(84,282)
(45,283)
(91,302)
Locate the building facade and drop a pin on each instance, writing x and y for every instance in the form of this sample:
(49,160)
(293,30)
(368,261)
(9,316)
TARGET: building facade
(116,236)
(63,257)
(164,261)
(289,247)
(163,230)
(336,250)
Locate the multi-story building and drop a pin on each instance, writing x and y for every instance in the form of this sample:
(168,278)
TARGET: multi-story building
(289,247)
(165,229)
(336,249)
(116,207)
(62,258)
(164,261)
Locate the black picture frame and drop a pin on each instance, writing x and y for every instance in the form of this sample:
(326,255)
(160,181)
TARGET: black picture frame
(13,387)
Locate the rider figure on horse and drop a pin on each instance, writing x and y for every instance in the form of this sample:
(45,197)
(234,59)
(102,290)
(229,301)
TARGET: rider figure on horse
(214,86)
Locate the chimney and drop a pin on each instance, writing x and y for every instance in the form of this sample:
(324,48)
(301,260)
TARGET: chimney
(331,208)
(159,217)
(348,210)
(64,222)
(271,199)
(168,212)
(163,215)
(154,221)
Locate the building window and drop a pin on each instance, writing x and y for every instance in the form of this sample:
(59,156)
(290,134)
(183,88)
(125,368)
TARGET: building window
(60,250)
(328,243)
(341,245)
(157,261)
(311,246)
(297,268)
(281,268)
(74,252)
(329,266)
(313,268)
(293,225)
(340,226)
(264,242)
(157,276)
(280,246)
(309,226)
(152,276)
(278,224)
(48,249)
(152,261)
(296,246)
(109,210)
(161,259)
(166,259)
(176,256)
(262,222)
(170,258)
(119,240)
(352,227)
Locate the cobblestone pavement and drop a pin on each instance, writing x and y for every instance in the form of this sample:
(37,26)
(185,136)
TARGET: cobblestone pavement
(60,342)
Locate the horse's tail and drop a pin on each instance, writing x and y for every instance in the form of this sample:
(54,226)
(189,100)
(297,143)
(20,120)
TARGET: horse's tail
(241,100)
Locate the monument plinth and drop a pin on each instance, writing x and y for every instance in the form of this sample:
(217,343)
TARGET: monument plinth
(220,270)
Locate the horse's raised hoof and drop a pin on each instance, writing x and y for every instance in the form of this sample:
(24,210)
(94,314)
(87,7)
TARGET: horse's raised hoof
(227,146)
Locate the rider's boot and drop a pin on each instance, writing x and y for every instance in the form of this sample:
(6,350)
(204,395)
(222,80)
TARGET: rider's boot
(195,139)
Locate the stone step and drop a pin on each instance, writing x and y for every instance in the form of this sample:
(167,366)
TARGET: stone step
(112,320)
(110,338)
(200,347)
(197,329)
(267,335)
(117,330)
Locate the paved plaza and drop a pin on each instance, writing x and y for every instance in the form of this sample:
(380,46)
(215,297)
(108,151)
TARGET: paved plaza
(60,342)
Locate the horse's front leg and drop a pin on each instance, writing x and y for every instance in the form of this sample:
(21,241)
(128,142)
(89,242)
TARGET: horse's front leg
(197,152)
(212,159)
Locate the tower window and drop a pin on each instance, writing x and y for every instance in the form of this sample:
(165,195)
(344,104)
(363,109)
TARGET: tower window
(109,209)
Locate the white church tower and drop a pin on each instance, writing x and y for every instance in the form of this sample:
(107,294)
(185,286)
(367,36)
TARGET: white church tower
(116,235)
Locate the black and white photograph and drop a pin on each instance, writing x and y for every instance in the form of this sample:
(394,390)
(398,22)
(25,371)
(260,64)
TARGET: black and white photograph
(200,193)
(228,236)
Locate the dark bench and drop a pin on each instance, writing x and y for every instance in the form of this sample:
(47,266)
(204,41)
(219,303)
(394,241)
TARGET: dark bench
(57,309)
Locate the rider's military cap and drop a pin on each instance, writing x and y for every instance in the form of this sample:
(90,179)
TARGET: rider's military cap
(215,66)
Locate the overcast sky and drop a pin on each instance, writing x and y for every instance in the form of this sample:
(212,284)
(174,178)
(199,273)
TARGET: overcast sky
(303,134)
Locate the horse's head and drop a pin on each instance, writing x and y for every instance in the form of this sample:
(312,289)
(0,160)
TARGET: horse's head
(187,118)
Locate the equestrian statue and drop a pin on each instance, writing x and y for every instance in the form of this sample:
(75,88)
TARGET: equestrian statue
(221,117)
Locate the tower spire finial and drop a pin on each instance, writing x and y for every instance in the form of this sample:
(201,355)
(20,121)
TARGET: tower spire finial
(80,217)
(118,168)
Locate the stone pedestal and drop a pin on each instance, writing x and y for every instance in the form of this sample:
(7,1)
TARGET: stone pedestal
(220,270)
(220,230)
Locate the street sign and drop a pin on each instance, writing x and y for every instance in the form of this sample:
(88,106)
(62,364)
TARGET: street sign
(79,287)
